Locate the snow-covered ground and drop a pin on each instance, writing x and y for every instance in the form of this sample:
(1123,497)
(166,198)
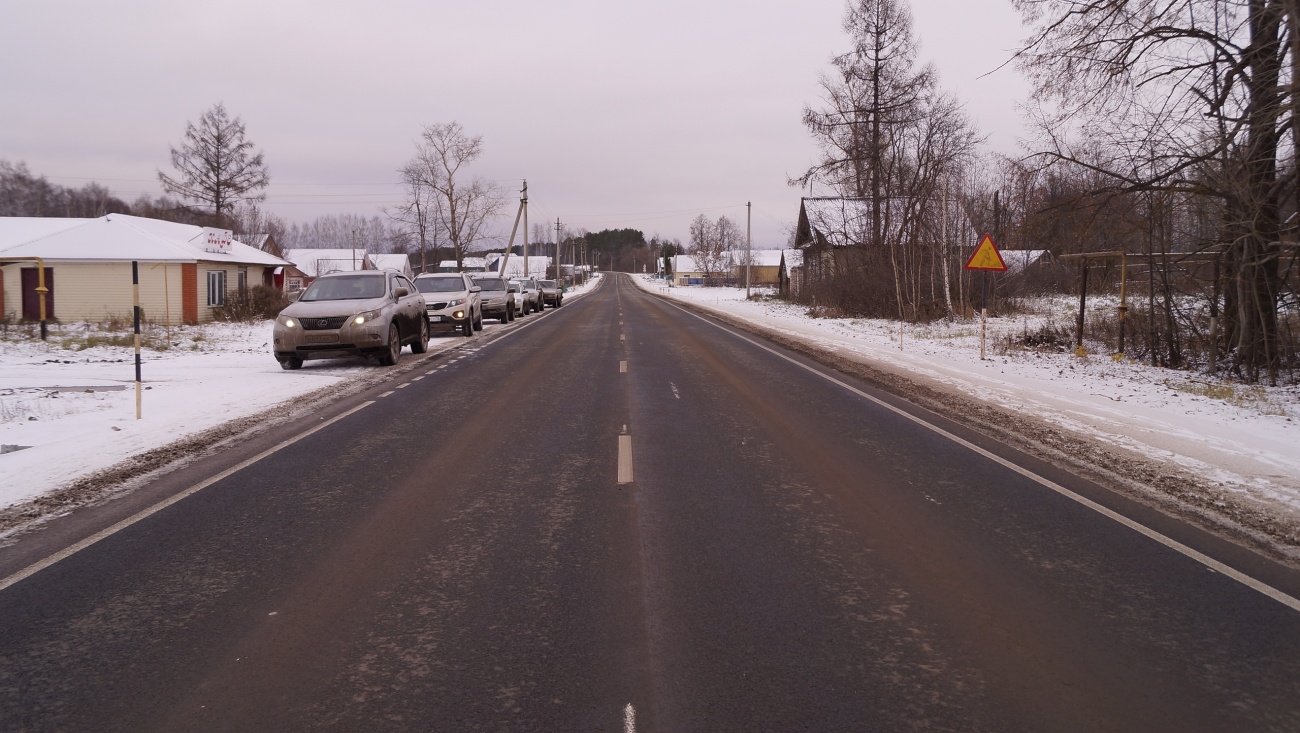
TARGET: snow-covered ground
(68,405)
(1243,439)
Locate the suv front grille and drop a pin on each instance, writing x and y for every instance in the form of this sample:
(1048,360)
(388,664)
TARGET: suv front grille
(322,324)
(436,306)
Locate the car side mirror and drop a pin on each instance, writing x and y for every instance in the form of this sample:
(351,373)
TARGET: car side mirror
(475,289)
(514,289)
(401,293)
(294,296)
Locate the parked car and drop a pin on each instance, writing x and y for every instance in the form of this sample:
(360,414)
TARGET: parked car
(452,302)
(552,293)
(518,299)
(371,313)
(495,298)
(532,294)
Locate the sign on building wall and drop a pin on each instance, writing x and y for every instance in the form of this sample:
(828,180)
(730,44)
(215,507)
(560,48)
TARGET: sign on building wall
(216,240)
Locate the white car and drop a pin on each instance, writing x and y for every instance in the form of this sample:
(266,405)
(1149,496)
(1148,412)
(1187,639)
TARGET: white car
(452,302)
(532,294)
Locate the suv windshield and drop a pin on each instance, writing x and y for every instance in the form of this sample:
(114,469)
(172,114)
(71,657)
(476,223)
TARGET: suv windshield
(440,284)
(490,283)
(347,287)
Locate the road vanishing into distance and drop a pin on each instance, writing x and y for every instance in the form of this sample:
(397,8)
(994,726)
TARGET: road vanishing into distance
(620,516)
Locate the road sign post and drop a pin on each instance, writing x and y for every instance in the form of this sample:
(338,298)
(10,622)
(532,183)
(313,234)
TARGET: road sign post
(986,258)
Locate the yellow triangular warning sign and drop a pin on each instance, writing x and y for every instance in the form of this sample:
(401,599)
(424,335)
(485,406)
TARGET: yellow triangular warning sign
(986,257)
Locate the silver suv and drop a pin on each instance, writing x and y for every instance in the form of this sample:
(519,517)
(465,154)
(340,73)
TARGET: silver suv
(495,298)
(372,313)
(532,295)
(452,302)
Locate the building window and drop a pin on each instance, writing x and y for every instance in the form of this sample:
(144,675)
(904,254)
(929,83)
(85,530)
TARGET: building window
(241,283)
(216,288)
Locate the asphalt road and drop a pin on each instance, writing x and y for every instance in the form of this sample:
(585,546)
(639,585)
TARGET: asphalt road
(461,548)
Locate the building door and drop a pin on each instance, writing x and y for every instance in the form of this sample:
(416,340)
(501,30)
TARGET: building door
(31,304)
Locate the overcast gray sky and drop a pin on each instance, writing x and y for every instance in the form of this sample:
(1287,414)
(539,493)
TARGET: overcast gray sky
(618,114)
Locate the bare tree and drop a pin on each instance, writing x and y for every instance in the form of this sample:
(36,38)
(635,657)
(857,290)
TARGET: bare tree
(420,210)
(711,244)
(1187,97)
(216,165)
(463,208)
(888,136)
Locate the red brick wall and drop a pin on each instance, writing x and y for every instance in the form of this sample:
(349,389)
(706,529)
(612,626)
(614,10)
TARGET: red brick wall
(189,293)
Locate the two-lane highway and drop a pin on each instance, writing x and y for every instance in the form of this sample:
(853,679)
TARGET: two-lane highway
(620,516)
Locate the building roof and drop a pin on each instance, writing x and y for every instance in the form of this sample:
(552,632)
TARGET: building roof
(793,258)
(537,264)
(834,221)
(399,262)
(317,262)
(1019,259)
(683,264)
(758,258)
(118,237)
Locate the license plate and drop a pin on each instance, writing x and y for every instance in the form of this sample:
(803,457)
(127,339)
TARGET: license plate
(321,338)
(435,319)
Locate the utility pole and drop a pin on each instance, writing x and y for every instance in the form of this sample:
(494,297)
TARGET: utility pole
(559,273)
(524,200)
(749,250)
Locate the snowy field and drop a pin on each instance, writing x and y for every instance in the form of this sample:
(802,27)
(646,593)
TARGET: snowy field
(1243,438)
(67,405)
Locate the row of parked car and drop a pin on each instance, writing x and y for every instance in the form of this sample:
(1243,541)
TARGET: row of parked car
(375,313)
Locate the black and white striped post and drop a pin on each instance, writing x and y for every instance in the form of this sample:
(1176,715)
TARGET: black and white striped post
(135,288)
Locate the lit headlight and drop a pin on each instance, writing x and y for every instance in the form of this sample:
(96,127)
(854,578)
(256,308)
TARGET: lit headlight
(288,322)
(453,303)
(366,317)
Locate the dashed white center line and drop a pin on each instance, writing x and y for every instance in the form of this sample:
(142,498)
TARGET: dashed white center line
(404,385)
(629,719)
(675,394)
(431,371)
(386,393)
(625,459)
(622,367)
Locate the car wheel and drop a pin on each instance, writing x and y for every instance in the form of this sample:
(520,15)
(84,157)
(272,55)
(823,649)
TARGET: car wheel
(291,363)
(390,357)
(478,322)
(510,313)
(467,328)
(421,345)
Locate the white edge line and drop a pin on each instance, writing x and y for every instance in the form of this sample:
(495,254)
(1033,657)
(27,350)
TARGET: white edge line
(71,550)
(629,719)
(1142,529)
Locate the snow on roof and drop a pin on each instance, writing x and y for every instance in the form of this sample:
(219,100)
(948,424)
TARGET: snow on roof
(758,257)
(469,262)
(1019,259)
(793,259)
(397,262)
(317,262)
(684,263)
(117,237)
(537,264)
(838,222)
